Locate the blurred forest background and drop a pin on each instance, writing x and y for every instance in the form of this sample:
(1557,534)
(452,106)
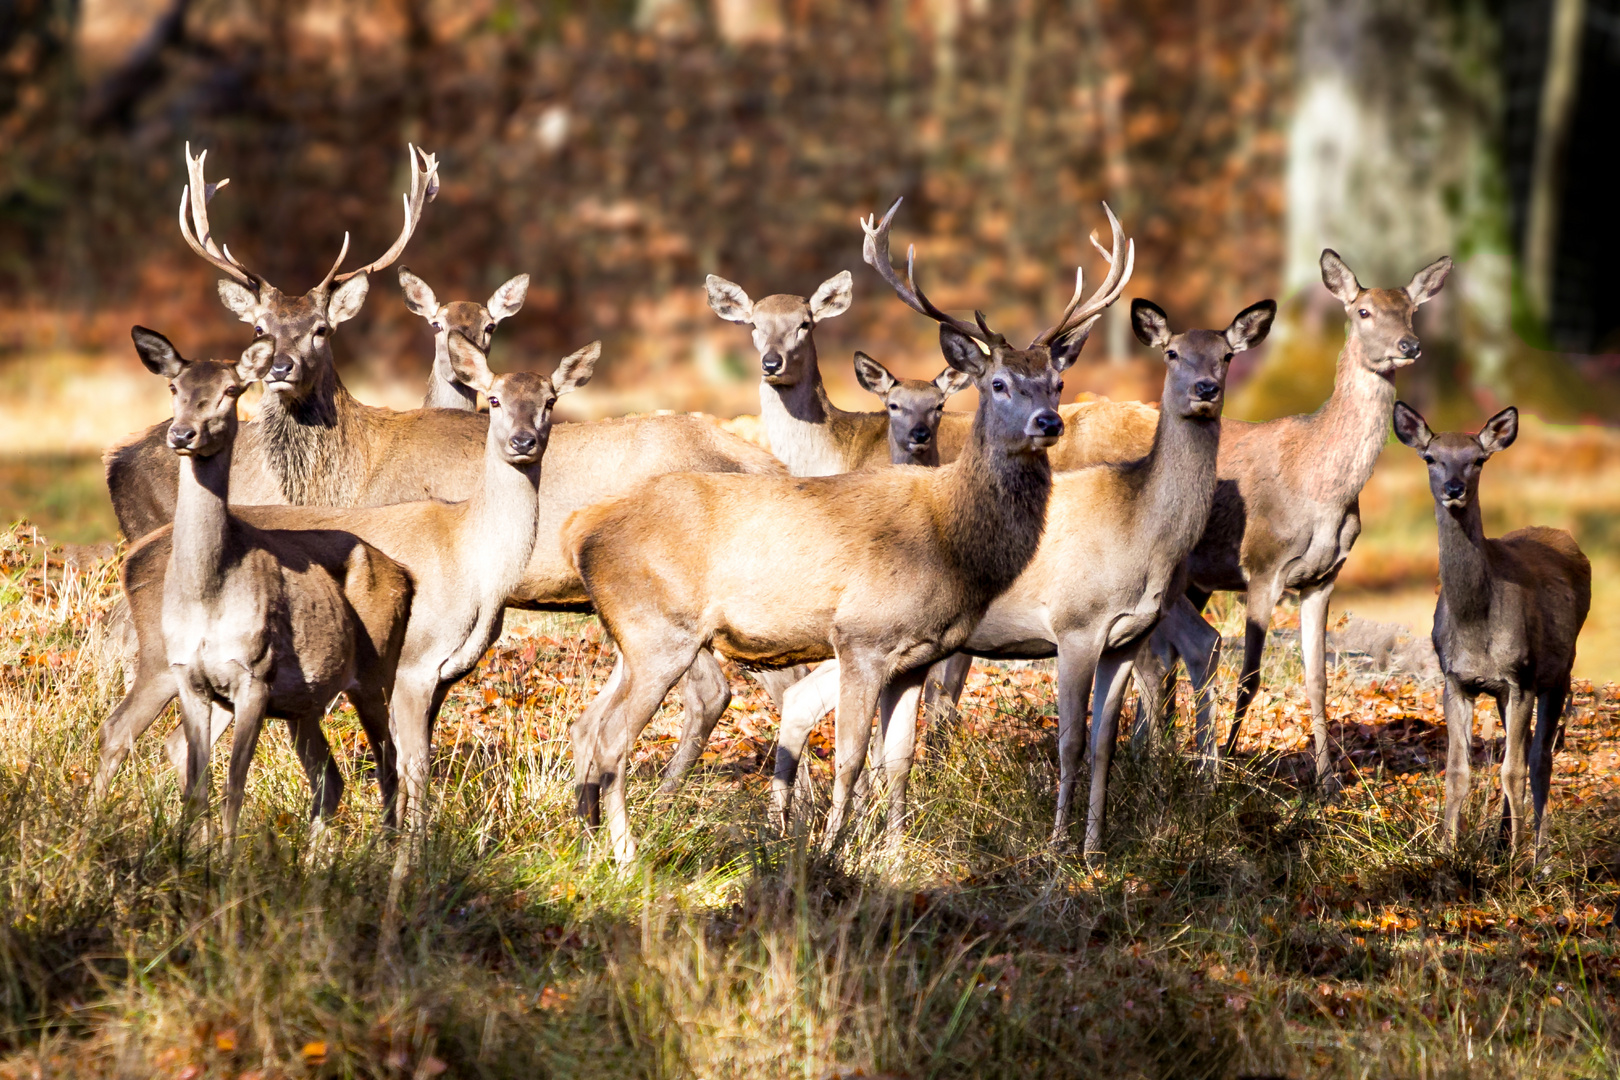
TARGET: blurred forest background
(617,152)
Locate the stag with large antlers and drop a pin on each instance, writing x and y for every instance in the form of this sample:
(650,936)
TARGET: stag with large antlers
(888,570)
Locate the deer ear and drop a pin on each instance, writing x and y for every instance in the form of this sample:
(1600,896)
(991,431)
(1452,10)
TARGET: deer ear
(952,382)
(418,295)
(961,352)
(728,300)
(873,375)
(1066,350)
(157,352)
(1410,428)
(1150,323)
(1251,326)
(1338,277)
(833,298)
(1427,281)
(576,368)
(255,360)
(345,302)
(1499,431)
(238,299)
(507,299)
(468,363)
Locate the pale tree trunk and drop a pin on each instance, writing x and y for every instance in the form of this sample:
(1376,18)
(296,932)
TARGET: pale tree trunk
(1558,91)
(1105,87)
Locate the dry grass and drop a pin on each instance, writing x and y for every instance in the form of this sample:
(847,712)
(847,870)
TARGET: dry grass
(1237,928)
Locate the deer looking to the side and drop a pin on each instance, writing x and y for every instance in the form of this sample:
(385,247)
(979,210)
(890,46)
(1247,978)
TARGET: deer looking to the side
(1509,612)
(314,444)
(886,569)
(813,437)
(453,383)
(1287,504)
(260,622)
(1130,527)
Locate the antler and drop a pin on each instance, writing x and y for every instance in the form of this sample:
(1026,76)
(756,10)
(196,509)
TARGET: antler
(424,186)
(195,195)
(1078,317)
(875,250)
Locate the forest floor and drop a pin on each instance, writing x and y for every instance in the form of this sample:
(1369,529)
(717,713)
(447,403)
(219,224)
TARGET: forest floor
(1237,927)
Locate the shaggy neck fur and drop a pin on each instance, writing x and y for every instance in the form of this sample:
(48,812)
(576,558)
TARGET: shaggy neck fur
(201,524)
(991,508)
(1465,573)
(444,391)
(1349,431)
(308,446)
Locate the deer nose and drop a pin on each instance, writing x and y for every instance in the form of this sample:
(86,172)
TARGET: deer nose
(1454,489)
(281,369)
(1206,389)
(1047,424)
(921,435)
(1409,347)
(772,363)
(181,437)
(524,442)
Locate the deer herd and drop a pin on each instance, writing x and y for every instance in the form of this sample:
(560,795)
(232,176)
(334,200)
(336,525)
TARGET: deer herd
(330,547)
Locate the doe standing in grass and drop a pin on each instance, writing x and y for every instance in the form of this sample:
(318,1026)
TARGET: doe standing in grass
(1510,610)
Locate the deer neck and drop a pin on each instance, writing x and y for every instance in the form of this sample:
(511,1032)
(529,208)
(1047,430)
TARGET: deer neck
(1179,480)
(500,525)
(310,446)
(445,391)
(1350,430)
(201,524)
(991,510)
(1465,573)
(796,420)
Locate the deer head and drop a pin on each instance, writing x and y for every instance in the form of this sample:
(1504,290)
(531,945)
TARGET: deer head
(1381,319)
(475,322)
(1455,458)
(520,402)
(914,406)
(1198,359)
(1018,388)
(300,327)
(204,391)
(782,324)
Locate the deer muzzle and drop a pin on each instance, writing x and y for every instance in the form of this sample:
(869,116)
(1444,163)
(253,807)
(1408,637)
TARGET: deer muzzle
(1044,428)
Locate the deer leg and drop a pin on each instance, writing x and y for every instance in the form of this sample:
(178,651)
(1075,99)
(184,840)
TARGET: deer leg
(1185,633)
(1077,663)
(941,692)
(1259,604)
(777,681)
(1108,696)
(1549,717)
(320,768)
(371,706)
(1514,765)
(582,735)
(1313,611)
(646,682)
(249,698)
(1487,727)
(196,705)
(1459,709)
(705,693)
(1149,675)
(175,745)
(897,719)
(150,694)
(859,684)
(411,726)
(803,706)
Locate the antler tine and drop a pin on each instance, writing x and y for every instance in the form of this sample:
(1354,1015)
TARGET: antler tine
(424,188)
(1080,314)
(195,196)
(875,251)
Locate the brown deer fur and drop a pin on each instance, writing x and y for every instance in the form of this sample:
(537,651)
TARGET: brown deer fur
(1509,613)
(452,384)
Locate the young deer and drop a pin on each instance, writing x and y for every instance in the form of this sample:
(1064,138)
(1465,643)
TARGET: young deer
(1510,610)
(914,408)
(1287,503)
(814,437)
(314,444)
(888,569)
(257,622)
(1130,526)
(451,384)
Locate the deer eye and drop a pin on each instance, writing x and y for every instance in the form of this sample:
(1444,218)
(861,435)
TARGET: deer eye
(805,325)
(319,331)
(1060,386)
(1227,359)
(488,330)
(893,407)
(259,331)
(1172,354)
(998,386)
(494,402)
(1364,313)
(173,389)
(1428,460)
(436,325)
(233,391)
